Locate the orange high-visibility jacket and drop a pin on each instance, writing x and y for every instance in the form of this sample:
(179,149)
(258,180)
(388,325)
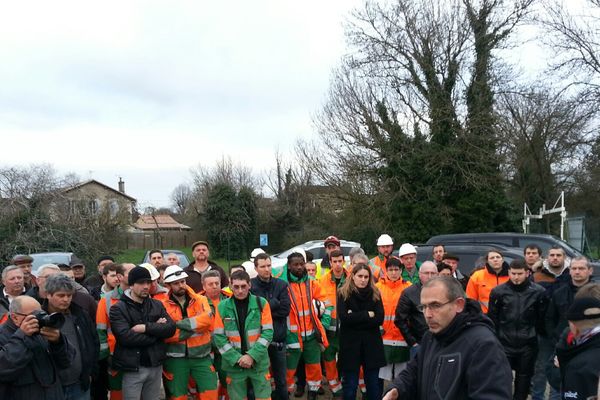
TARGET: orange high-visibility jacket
(390,294)
(377,265)
(482,282)
(303,312)
(192,336)
(107,338)
(328,292)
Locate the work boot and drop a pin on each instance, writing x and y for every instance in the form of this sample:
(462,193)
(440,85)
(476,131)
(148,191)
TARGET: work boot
(299,391)
(312,395)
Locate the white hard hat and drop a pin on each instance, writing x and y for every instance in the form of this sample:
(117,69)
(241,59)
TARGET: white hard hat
(154,274)
(385,240)
(407,248)
(256,252)
(249,267)
(174,273)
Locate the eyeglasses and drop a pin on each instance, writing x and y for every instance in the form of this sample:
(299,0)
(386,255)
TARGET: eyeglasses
(433,306)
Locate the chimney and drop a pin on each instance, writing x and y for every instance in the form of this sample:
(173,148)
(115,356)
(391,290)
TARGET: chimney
(121,185)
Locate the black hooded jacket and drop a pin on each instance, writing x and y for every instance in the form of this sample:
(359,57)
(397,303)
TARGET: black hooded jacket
(408,319)
(464,361)
(276,293)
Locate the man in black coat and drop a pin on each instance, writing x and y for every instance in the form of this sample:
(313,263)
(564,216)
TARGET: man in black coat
(276,293)
(579,355)
(201,264)
(562,298)
(409,319)
(460,357)
(517,309)
(30,357)
(140,325)
(79,330)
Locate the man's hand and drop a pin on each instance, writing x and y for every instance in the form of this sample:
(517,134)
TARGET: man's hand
(391,395)
(246,361)
(371,314)
(30,325)
(162,320)
(51,334)
(139,328)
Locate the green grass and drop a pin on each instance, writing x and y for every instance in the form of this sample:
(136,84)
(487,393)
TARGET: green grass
(136,255)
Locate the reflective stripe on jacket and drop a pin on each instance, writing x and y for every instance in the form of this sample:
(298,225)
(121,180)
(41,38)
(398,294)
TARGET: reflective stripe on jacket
(377,265)
(303,313)
(328,292)
(107,339)
(192,337)
(258,330)
(390,295)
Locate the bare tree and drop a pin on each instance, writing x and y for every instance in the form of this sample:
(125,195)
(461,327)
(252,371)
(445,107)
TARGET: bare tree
(181,198)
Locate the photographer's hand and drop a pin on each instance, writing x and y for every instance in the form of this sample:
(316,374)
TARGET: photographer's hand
(29,325)
(51,334)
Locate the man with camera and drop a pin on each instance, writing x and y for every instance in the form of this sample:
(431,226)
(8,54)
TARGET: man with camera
(31,354)
(79,330)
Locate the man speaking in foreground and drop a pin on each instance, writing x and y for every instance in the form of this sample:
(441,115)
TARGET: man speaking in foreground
(460,357)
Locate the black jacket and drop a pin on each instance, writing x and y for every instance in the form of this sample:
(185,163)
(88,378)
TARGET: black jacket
(89,344)
(276,293)
(464,361)
(579,367)
(409,320)
(194,279)
(360,335)
(556,316)
(518,314)
(133,348)
(29,365)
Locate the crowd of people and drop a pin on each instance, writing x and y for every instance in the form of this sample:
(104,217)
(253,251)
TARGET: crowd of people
(389,327)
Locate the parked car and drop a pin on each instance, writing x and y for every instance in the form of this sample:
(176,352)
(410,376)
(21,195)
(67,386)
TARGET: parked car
(40,259)
(472,256)
(316,248)
(184,261)
(511,240)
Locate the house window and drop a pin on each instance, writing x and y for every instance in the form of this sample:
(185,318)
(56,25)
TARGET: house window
(114,208)
(94,206)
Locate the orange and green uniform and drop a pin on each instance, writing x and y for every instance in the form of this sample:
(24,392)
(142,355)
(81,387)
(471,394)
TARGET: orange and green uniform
(394,345)
(254,341)
(305,331)
(329,286)
(189,349)
(377,265)
(216,355)
(483,281)
(107,339)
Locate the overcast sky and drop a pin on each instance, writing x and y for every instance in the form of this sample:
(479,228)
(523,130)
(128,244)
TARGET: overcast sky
(146,90)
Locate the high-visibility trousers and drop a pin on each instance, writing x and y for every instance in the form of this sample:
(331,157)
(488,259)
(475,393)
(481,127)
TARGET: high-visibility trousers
(330,361)
(178,372)
(115,384)
(312,362)
(237,383)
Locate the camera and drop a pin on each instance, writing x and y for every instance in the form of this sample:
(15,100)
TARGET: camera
(54,320)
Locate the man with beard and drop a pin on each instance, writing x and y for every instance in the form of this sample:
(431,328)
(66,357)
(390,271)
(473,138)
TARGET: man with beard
(201,264)
(188,350)
(385,246)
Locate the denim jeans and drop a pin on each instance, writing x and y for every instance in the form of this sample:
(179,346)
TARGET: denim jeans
(278,370)
(539,380)
(74,392)
(372,382)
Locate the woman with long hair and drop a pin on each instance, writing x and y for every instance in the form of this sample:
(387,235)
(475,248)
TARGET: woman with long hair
(361,314)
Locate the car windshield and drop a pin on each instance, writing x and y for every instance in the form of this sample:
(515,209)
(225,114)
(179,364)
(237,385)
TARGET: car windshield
(41,259)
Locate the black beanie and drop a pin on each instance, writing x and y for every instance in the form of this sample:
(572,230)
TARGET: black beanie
(104,258)
(138,274)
